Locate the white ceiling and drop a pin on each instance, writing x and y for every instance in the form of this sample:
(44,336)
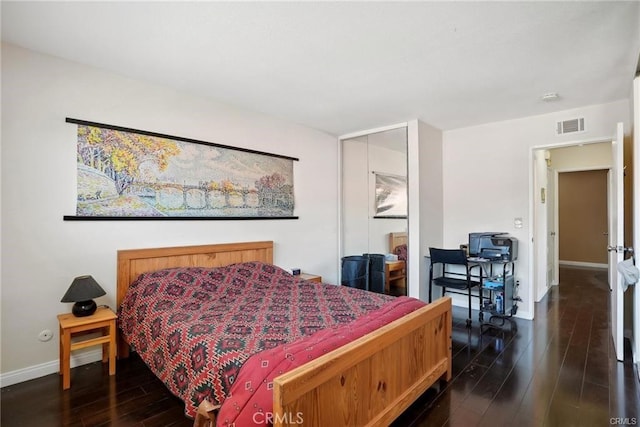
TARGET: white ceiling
(347,66)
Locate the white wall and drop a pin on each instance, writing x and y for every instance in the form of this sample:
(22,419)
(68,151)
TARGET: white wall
(487,175)
(582,157)
(41,253)
(425,202)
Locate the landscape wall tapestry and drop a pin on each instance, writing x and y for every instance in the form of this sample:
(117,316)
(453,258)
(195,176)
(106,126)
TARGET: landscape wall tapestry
(391,196)
(131,174)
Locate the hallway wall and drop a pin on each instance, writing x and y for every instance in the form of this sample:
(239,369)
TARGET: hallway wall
(582,210)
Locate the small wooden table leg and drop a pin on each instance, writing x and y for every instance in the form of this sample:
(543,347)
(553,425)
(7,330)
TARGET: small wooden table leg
(105,347)
(112,348)
(66,359)
(60,356)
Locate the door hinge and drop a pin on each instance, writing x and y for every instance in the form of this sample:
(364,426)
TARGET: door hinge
(620,249)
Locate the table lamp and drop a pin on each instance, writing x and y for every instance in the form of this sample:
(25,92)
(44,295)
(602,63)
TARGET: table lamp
(82,291)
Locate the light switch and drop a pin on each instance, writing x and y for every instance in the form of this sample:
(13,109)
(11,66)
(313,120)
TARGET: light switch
(517,222)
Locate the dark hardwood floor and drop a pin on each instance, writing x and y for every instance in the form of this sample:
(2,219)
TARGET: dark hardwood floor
(559,370)
(556,371)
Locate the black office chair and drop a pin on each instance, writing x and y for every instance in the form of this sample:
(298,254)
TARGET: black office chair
(455,274)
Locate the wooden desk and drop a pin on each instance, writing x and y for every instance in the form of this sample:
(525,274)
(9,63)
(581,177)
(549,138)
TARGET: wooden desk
(395,272)
(103,320)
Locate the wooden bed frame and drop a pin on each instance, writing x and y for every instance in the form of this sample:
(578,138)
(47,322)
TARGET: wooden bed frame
(397,239)
(369,381)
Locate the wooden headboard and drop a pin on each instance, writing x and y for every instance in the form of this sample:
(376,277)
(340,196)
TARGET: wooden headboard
(397,239)
(133,262)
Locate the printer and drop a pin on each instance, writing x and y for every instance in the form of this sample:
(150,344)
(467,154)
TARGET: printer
(493,246)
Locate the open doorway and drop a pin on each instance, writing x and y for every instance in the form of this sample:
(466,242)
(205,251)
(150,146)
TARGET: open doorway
(580,159)
(616,247)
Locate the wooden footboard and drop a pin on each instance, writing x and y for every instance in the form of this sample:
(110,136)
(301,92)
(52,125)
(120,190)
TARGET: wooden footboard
(373,379)
(368,382)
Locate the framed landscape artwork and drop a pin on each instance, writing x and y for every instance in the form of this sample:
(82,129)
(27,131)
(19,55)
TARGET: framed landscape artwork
(131,174)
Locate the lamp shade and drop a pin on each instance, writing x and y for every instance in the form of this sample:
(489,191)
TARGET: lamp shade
(82,291)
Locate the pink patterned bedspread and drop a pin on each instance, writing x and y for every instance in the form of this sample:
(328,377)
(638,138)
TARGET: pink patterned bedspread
(250,402)
(196,327)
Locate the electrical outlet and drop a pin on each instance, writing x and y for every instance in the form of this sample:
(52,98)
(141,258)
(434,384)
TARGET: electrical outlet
(45,335)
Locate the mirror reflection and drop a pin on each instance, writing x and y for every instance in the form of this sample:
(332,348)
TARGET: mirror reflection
(374,212)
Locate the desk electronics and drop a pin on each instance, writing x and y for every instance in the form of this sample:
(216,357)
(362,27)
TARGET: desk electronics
(493,246)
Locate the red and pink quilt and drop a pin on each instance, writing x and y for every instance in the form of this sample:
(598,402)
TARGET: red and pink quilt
(196,327)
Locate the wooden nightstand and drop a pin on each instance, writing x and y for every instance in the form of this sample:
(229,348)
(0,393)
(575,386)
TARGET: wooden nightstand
(311,277)
(395,273)
(104,321)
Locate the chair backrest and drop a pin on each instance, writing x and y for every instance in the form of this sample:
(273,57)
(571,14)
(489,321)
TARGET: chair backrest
(448,256)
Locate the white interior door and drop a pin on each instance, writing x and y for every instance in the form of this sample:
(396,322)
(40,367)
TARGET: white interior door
(540,232)
(616,240)
(551,228)
(636,215)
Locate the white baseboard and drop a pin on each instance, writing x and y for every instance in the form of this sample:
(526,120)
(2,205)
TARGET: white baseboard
(47,368)
(628,334)
(584,264)
(543,294)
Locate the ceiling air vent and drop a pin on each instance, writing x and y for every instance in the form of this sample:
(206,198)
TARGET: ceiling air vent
(569,126)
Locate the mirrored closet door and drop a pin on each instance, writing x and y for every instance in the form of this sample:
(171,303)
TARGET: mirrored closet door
(374,210)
